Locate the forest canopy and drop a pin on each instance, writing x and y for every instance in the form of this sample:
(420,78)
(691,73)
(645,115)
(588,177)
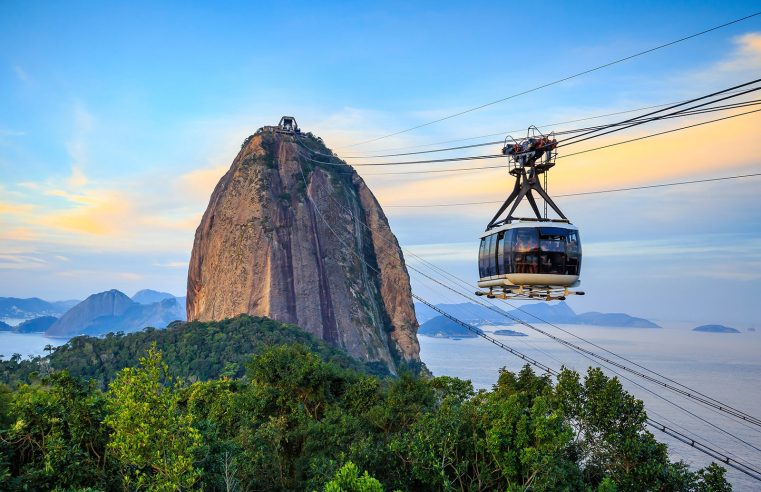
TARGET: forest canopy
(299,417)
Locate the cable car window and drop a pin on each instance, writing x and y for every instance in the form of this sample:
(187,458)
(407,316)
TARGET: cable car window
(507,245)
(481,258)
(492,255)
(573,253)
(526,250)
(500,269)
(552,250)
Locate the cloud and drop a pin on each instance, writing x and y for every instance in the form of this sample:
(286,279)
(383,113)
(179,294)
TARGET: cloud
(746,56)
(172,264)
(735,246)
(77,147)
(200,182)
(710,150)
(21,74)
(15,208)
(103,274)
(441,252)
(20,262)
(20,234)
(77,178)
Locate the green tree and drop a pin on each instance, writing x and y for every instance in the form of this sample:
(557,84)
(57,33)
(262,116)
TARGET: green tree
(712,479)
(55,437)
(151,437)
(348,479)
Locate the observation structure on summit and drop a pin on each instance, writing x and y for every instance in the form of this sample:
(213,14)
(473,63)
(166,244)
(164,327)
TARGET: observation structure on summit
(534,257)
(287,126)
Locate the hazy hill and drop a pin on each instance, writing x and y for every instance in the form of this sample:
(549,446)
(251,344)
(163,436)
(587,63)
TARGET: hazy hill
(715,329)
(443,327)
(149,296)
(113,311)
(510,333)
(36,325)
(137,317)
(466,311)
(76,320)
(33,307)
(537,312)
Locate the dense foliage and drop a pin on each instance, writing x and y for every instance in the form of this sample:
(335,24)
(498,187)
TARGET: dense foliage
(192,351)
(298,422)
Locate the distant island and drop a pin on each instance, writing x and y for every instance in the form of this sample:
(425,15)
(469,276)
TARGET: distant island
(540,312)
(34,325)
(443,327)
(715,329)
(510,333)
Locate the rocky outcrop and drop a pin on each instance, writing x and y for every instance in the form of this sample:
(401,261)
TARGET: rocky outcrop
(304,243)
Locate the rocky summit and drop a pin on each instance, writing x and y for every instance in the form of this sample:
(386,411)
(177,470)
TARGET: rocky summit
(294,234)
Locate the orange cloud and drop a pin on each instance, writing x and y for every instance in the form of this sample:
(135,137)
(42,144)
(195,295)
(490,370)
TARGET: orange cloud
(15,208)
(200,182)
(20,234)
(97,213)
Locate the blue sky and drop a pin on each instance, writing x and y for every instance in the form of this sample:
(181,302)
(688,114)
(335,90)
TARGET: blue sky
(117,119)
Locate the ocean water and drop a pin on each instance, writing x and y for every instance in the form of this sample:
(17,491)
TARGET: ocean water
(26,344)
(724,366)
(721,365)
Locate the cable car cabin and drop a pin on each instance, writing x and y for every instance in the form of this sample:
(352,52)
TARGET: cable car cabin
(530,259)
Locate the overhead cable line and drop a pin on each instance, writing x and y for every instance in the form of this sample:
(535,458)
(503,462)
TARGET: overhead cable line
(477,168)
(498,156)
(596,192)
(505,132)
(602,364)
(704,448)
(642,119)
(558,81)
(565,132)
(660,133)
(684,391)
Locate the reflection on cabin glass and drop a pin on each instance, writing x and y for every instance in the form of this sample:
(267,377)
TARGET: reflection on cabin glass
(543,250)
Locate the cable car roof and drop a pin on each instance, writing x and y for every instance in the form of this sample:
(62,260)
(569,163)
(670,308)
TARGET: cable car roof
(518,223)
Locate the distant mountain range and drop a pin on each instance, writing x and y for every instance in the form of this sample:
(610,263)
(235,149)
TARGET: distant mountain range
(113,311)
(33,307)
(541,312)
(110,311)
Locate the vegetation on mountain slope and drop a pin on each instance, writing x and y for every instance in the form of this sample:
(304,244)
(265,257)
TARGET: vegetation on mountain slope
(193,351)
(296,421)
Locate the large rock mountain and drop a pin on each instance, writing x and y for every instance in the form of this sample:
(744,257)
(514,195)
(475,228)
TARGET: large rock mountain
(304,243)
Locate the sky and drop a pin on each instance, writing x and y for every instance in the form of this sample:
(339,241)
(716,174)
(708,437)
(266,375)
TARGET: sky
(117,119)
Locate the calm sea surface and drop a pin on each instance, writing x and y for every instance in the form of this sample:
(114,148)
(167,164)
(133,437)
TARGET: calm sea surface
(26,344)
(724,366)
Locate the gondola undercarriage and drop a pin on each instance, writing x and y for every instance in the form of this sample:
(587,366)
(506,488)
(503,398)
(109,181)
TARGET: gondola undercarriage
(529,292)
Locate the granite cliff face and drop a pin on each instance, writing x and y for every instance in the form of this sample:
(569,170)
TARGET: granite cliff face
(282,237)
